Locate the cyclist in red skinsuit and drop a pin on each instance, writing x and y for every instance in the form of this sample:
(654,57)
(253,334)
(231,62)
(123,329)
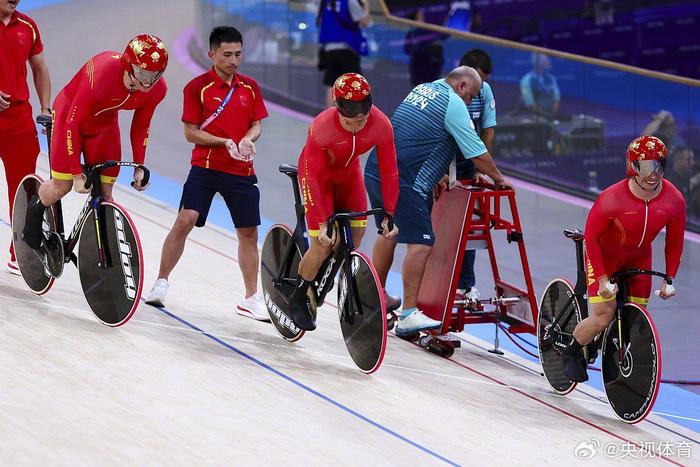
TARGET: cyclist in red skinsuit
(93,99)
(85,121)
(330,171)
(331,177)
(621,226)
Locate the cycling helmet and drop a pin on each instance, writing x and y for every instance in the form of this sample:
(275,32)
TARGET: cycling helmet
(146,58)
(352,95)
(645,155)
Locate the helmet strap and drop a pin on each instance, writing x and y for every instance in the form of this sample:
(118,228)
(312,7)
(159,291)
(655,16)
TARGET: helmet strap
(132,86)
(653,189)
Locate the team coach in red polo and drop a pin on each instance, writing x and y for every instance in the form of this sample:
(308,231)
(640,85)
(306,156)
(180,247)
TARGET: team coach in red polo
(20,42)
(222,114)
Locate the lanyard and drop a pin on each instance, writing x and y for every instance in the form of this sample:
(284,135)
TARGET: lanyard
(218,109)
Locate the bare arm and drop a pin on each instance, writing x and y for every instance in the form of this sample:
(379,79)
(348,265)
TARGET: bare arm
(364,22)
(196,136)
(485,164)
(246,147)
(487,135)
(660,119)
(42,81)
(254,132)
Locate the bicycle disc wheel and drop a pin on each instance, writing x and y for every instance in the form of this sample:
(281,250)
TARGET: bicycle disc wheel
(364,325)
(276,293)
(555,297)
(633,383)
(35,274)
(113,292)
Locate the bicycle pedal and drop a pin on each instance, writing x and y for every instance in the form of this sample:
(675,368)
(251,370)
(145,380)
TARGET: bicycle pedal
(54,255)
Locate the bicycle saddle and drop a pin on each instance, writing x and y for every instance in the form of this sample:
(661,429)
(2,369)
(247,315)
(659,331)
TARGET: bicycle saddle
(45,120)
(289,169)
(575,235)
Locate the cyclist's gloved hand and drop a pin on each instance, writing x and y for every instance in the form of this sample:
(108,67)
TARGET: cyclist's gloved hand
(138,178)
(323,238)
(606,289)
(667,291)
(385,229)
(79,184)
(246,149)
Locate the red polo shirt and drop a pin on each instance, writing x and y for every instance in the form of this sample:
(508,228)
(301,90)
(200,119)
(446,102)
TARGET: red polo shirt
(19,40)
(202,96)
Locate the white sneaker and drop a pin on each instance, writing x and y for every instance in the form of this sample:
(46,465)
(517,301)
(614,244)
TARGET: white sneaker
(253,307)
(415,322)
(12,268)
(156,296)
(473,294)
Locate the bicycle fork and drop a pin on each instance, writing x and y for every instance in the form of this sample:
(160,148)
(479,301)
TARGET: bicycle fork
(351,282)
(101,255)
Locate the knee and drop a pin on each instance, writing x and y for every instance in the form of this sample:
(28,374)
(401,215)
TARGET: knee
(247,234)
(186,220)
(58,188)
(419,251)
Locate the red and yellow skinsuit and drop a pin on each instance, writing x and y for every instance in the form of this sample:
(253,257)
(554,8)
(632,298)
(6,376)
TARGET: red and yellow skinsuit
(620,230)
(330,172)
(85,117)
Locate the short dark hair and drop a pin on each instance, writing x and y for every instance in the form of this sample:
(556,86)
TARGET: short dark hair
(477,58)
(221,34)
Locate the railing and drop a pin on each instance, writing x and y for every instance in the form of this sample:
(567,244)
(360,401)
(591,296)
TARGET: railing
(578,149)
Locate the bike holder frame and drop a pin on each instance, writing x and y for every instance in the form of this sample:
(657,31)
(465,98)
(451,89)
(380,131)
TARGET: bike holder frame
(464,217)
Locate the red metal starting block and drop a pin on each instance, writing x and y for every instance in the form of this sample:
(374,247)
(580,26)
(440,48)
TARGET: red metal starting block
(463,218)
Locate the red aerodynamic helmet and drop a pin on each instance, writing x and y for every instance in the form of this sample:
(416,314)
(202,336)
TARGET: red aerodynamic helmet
(352,94)
(646,154)
(146,58)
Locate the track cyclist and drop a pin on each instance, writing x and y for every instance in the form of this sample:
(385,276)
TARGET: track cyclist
(85,120)
(621,226)
(331,178)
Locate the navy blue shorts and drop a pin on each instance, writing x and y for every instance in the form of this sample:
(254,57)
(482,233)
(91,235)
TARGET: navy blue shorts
(240,193)
(412,215)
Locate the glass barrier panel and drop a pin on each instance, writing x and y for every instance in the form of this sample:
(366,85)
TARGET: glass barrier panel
(561,122)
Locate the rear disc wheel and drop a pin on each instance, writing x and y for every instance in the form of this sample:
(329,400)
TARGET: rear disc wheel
(277,291)
(37,274)
(550,341)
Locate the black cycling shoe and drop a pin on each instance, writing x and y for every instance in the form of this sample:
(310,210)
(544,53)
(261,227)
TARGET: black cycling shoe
(301,314)
(574,364)
(33,233)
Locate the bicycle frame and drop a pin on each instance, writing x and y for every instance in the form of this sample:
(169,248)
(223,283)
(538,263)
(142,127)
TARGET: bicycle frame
(341,255)
(619,277)
(91,204)
(579,288)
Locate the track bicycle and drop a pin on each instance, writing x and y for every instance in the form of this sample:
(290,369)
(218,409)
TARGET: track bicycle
(361,300)
(630,346)
(109,256)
